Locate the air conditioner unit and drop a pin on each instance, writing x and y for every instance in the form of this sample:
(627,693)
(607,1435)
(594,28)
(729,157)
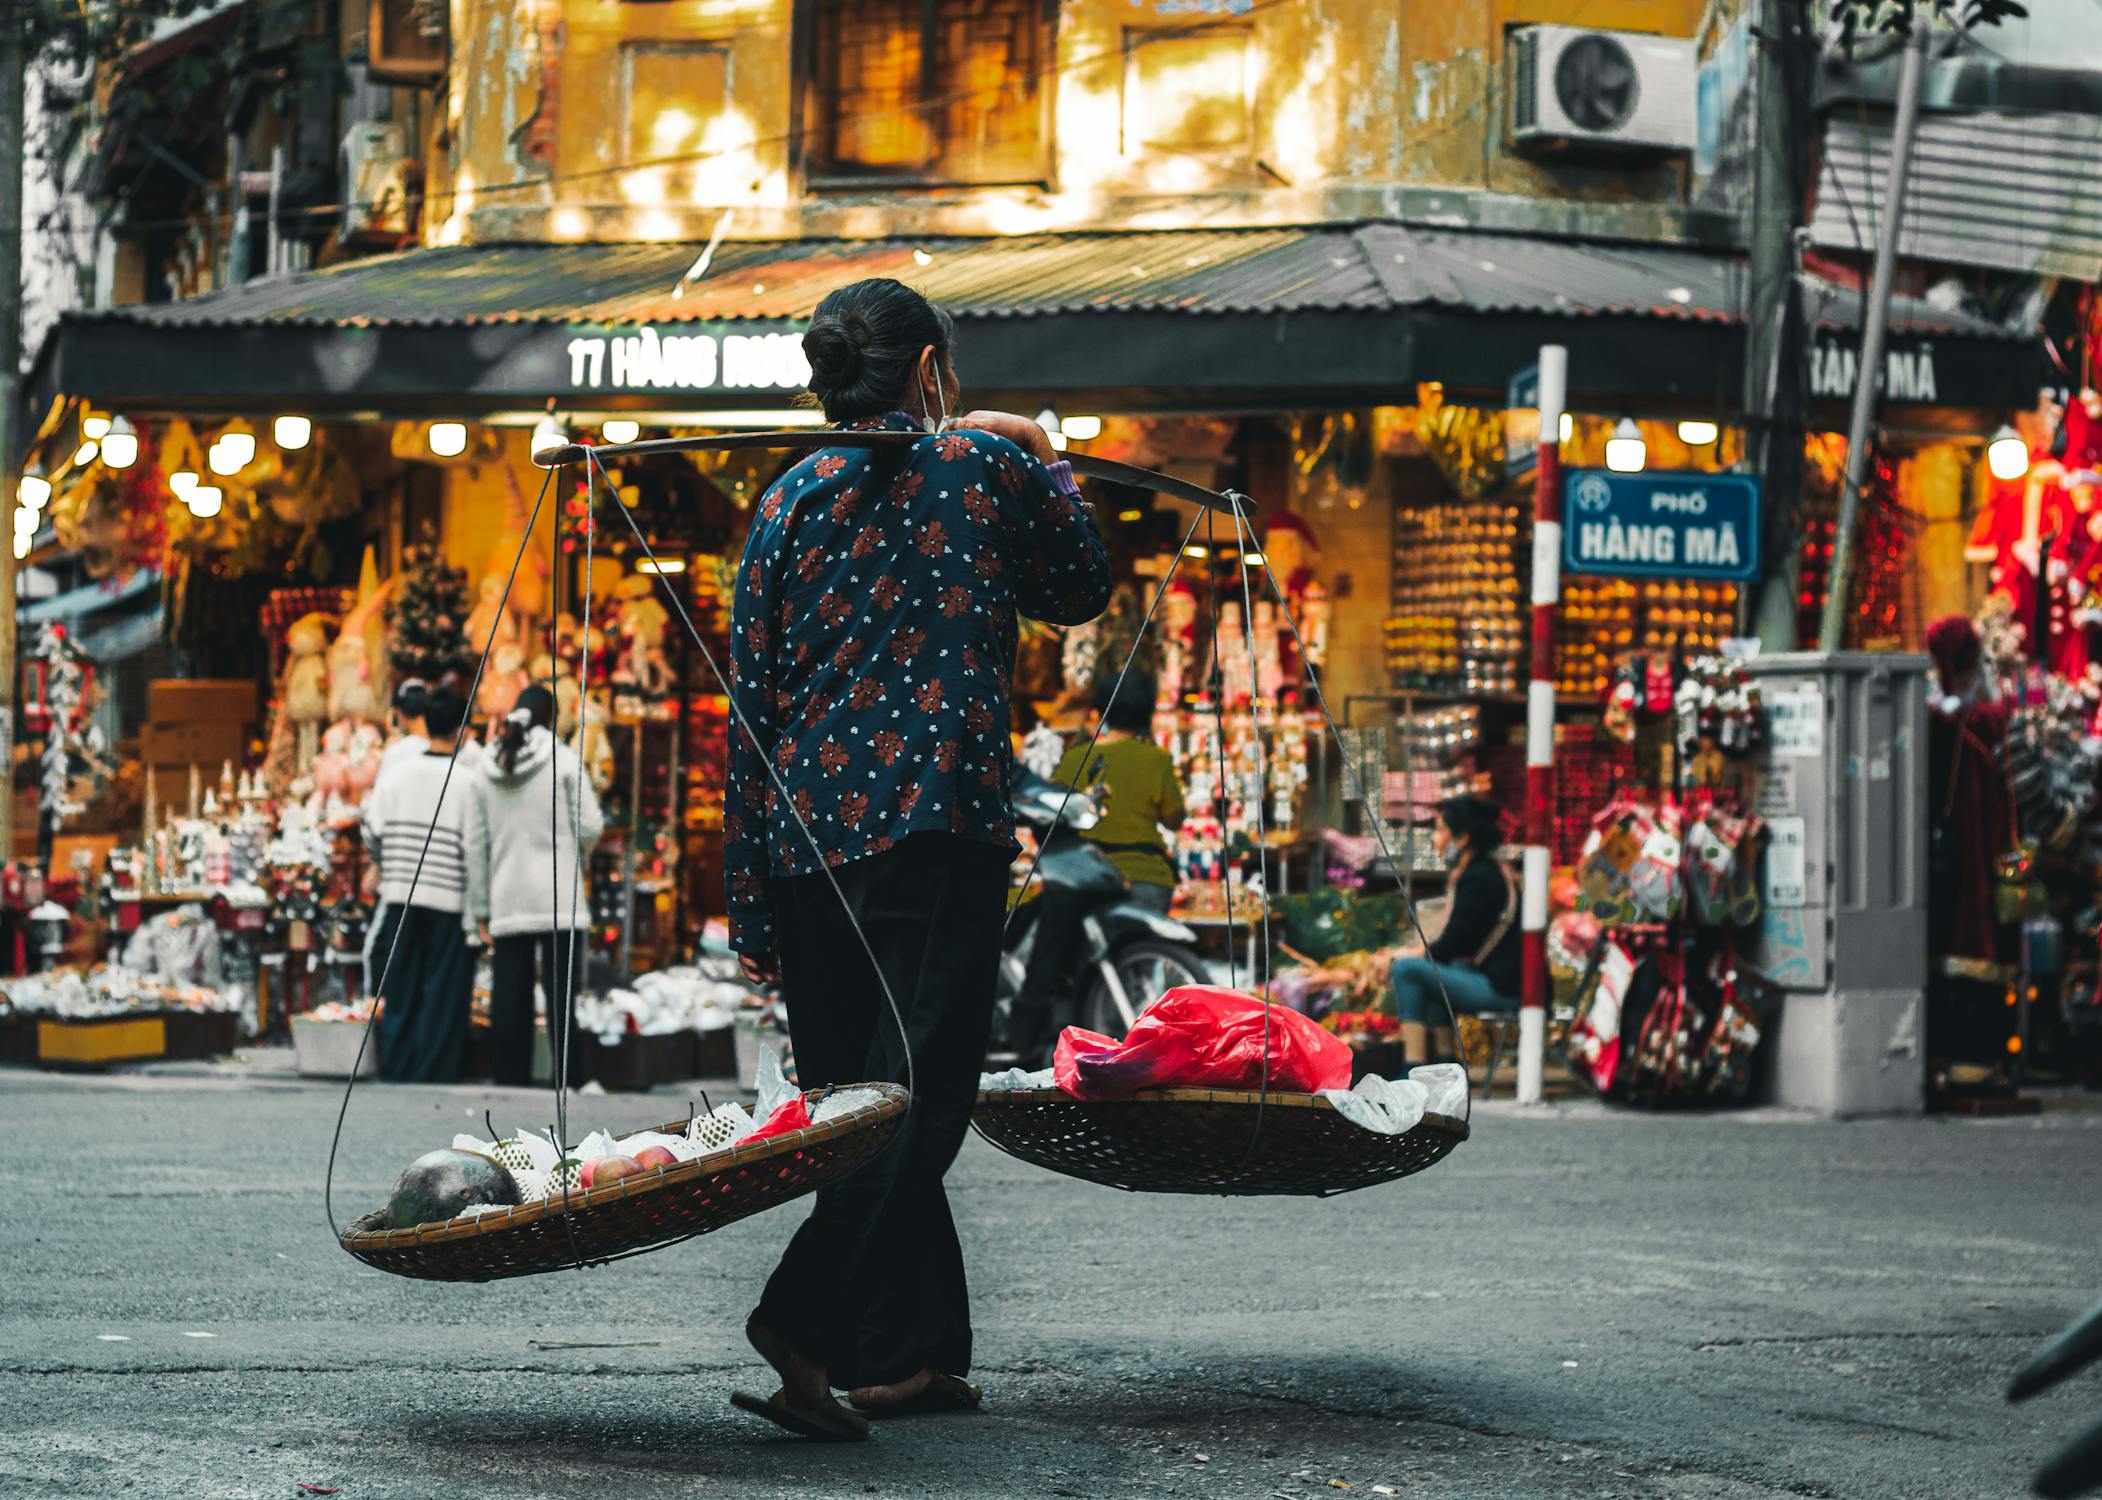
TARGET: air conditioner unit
(1618,90)
(376,169)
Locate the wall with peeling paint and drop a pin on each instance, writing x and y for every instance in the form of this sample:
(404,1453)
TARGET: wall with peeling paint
(603,119)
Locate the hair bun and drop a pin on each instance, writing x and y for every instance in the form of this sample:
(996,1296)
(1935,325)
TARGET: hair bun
(833,346)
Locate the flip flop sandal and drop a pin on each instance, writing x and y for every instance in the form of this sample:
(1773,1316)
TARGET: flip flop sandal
(941,1395)
(827,1423)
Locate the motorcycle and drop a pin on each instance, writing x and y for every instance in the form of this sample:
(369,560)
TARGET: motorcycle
(1127,955)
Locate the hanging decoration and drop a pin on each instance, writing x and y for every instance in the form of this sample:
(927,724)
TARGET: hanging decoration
(73,746)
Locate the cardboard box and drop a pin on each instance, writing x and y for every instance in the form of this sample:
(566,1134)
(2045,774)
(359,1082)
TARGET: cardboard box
(200,743)
(201,699)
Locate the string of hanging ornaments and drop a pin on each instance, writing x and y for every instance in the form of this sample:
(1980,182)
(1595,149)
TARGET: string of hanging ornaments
(532,1201)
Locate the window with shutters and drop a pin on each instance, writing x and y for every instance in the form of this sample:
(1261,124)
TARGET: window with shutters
(926,92)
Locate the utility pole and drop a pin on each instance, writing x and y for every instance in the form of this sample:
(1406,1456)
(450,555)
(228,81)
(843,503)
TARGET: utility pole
(12,64)
(1868,384)
(1773,337)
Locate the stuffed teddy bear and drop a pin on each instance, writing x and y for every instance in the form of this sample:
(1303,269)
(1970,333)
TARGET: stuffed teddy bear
(501,683)
(304,700)
(593,745)
(642,622)
(563,686)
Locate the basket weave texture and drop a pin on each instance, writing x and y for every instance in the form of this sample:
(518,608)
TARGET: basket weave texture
(1193,1140)
(643,1212)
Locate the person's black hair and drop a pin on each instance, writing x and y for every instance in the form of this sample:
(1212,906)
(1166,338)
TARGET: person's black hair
(864,344)
(535,709)
(1131,710)
(443,711)
(1476,819)
(410,697)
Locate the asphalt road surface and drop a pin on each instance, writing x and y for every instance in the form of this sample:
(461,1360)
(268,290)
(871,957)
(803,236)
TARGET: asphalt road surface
(1575,1304)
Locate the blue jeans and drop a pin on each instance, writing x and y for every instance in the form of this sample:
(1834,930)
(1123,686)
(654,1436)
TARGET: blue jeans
(1416,991)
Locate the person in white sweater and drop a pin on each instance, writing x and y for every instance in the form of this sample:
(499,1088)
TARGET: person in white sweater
(532,822)
(415,825)
(409,746)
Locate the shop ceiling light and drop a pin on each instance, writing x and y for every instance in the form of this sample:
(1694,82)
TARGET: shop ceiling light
(1626,452)
(239,444)
(26,522)
(2007,455)
(1081,429)
(224,459)
(181,482)
(1698,434)
(1196,551)
(1568,428)
(661,565)
(33,490)
(1131,515)
(206,501)
(94,427)
(120,445)
(1253,559)
(448,439)
(619,430)
(85,453)
(22,546)
(292,432)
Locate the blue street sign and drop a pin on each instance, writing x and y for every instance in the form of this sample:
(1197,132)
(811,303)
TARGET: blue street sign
(1522,422)
(1674,524)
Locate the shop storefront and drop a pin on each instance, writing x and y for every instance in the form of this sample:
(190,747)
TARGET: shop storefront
(1352,380)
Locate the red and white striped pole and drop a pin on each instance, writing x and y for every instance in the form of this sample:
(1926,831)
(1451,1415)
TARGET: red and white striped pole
(1540,722)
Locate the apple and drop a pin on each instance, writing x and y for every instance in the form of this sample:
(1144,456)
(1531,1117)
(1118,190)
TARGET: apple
(651,1157)
(607,1169)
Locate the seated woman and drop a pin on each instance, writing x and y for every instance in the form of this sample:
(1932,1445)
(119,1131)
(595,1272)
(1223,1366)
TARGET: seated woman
(1476,957)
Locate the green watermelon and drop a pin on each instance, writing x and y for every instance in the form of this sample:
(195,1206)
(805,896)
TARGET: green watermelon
(443,1184)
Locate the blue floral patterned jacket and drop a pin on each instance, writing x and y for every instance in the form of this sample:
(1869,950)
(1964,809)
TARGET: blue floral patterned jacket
(872,643)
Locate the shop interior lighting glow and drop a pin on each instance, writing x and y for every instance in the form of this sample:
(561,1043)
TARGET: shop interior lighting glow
(792,416)
(206,501)
(1698,434)
(85,453)
(221,459)
(548,433)
(181,482)
(33,490)
(120,445)
(292,432)
(1081,429)
(94,427)
(1568,427)
(1626,453)
(239,444)
(448,439)
(661,565)
(2007,455)
(22,545)
(620,430)
(1131,515)
(26,522)
(1195,551)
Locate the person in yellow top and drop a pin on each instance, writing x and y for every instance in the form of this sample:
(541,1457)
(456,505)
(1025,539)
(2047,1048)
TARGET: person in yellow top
(1133,783)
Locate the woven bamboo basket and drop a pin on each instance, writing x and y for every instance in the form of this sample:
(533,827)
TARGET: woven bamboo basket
(644,1212)
(1194,1140)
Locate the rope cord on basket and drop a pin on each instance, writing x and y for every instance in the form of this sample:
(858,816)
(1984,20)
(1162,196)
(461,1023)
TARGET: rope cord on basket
(1102,722)
(1245,544)
(328,1181)
(773,776)
(1377,817)
(1219,802)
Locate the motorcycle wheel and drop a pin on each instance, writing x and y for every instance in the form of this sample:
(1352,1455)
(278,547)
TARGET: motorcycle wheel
(1147,969)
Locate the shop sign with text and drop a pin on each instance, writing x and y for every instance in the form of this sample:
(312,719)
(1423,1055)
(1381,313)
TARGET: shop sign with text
(1909,371)
(683,357)
(1682,524)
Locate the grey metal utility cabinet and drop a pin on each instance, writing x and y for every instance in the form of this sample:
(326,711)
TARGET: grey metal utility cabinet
(1841,784)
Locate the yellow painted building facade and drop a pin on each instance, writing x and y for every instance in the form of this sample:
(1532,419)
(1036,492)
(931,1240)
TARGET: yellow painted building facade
(617,120)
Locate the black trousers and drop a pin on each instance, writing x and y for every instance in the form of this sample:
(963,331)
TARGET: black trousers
(873,1285)
(429,991)
(511,963)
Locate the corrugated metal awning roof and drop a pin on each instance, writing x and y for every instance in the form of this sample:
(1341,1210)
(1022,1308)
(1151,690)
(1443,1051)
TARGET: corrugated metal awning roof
(1372,267)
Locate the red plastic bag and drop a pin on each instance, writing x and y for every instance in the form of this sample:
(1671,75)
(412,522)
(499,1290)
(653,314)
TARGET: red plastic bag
(793,1115)
(1203,1035)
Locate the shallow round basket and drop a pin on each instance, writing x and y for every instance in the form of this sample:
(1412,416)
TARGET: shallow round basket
(1199,1141)
(644,1212)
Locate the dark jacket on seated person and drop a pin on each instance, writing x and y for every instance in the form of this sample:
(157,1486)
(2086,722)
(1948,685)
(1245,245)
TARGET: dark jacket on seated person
(1480,897)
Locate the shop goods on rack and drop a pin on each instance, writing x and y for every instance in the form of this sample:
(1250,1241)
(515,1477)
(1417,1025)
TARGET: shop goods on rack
(1458,612)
